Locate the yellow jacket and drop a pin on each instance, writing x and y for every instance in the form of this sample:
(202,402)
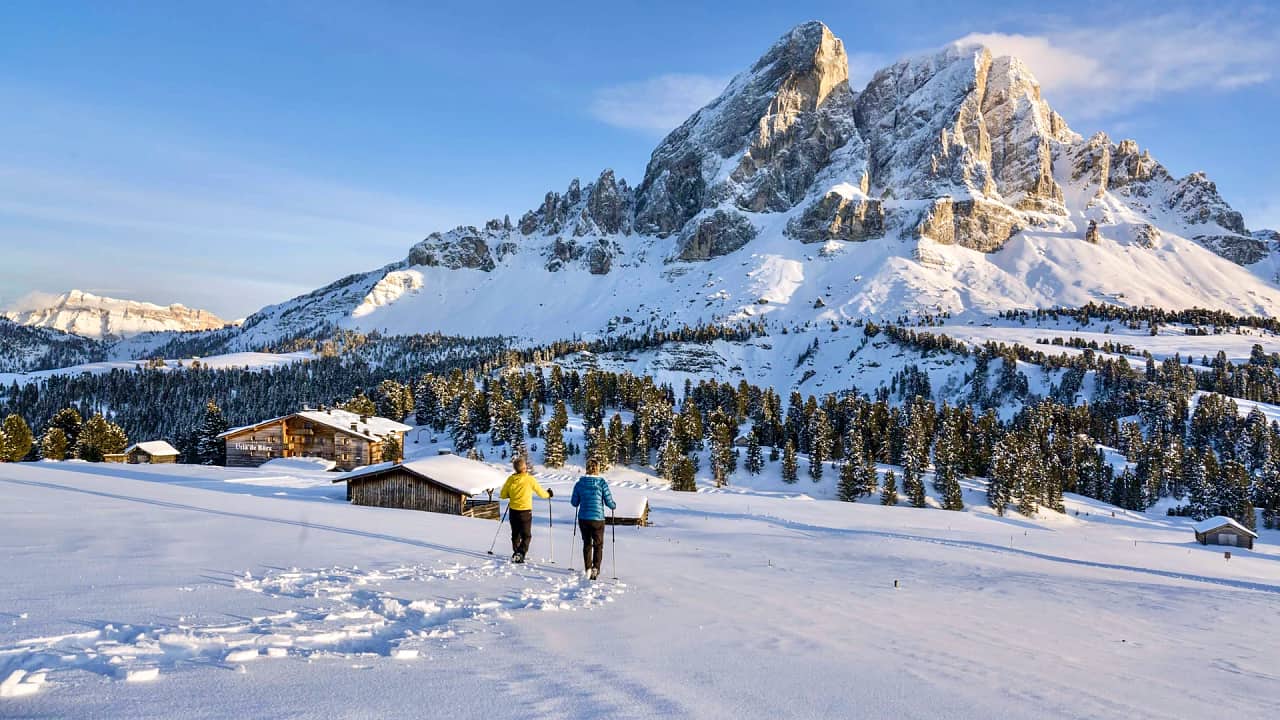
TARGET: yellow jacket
(519,488)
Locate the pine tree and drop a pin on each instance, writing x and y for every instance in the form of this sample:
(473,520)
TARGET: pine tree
(1004,471)
(17,438)
(553,449)
(913,480)
(360,405)
(391,449)
(100,437)
(535,418)
(427,411)
(210,449)
(723,461)
(68,421)
(598,448)
(53,446)
(683,477)
(464,434)
(755,458)
(789,467)
(850,487)
(819,443)
(889,495)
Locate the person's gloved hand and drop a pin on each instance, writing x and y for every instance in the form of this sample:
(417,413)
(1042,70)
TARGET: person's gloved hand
(550,493)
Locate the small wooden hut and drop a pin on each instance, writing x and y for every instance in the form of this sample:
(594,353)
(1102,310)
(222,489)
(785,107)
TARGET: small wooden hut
(439,483)
(1222,530)
(631,510)
(152,452)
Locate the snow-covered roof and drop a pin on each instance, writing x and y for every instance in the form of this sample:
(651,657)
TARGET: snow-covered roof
(371,428)
(153,448)
(630,506)
(1219,521)
(464,475)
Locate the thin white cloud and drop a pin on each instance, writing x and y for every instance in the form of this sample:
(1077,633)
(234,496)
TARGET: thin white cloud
(659,103)
(1091,71)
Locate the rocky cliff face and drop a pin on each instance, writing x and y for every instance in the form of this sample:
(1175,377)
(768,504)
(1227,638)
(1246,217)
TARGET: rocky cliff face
(956,147)
(761,143)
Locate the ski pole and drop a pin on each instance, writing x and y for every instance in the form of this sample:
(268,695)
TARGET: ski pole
(573,538)
(495,532)
(551,534)
(613,542)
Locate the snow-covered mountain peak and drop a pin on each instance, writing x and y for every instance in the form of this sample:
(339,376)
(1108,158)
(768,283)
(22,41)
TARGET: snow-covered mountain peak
(93,316)
(947,183)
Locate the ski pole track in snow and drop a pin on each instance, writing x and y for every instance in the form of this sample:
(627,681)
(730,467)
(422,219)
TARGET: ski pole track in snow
(404,612)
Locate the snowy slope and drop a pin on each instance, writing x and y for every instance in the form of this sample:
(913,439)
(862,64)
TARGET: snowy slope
(92,316)
(185,591)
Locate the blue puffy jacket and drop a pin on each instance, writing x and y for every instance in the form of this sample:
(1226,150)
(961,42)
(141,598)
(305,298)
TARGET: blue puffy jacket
(591,495)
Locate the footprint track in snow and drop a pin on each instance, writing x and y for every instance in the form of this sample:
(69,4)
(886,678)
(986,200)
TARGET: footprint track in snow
(403,612)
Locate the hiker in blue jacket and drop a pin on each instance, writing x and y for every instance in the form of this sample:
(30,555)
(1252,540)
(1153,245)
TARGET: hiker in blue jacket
(591,495)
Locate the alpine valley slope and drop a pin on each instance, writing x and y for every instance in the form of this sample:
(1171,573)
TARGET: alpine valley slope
(947,183)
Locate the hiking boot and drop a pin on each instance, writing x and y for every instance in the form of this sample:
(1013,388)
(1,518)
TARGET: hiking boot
(517,558)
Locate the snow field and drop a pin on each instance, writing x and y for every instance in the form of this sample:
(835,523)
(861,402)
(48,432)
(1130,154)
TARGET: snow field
(754,599)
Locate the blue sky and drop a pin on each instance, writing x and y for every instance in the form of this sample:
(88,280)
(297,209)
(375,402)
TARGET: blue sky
(235,154)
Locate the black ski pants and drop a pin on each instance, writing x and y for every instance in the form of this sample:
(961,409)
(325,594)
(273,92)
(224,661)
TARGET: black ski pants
(592,543)
(521,530)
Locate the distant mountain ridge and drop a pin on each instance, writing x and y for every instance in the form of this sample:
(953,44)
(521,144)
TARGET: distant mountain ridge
(103,318)
(947,183)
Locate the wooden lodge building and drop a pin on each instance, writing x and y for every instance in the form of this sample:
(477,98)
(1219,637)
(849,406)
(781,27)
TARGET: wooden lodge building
(440,483)
(348,439)
(1223,530)
(152,452)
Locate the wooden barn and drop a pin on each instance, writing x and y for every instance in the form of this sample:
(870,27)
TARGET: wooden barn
(630,511)
(439,483)
(1222,530)
(152,452)
(348,439)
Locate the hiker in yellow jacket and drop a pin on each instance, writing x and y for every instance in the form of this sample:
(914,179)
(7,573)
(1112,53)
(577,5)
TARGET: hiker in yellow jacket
(519,490)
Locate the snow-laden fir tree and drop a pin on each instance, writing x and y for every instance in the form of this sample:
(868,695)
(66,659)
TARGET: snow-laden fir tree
(211,449)
(789,466)
(889,493)
(463,432)
(68,420)
(553,448)
(535,418)
(683,475)
(560,415)
(598,448)
(755,457)
(849,488)
(427,411)
(1003,477)
(819,443)
(723,461)
(360,405)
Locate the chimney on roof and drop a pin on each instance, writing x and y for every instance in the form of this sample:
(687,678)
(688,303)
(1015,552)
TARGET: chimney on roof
(353,426)
(364,418)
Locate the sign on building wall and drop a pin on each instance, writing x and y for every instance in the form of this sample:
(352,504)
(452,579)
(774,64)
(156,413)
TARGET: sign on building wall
(253,447)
